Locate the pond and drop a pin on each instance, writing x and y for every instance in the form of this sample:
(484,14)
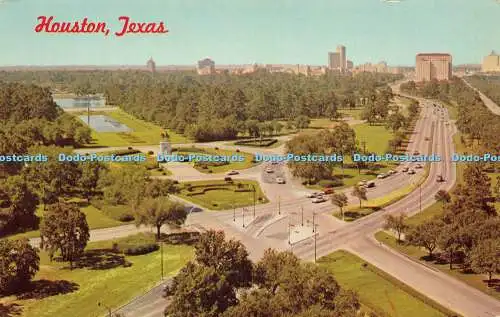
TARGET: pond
(101,123)
(79,102)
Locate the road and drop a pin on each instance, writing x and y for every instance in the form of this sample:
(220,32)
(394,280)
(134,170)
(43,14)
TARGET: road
(494,108)
(269,228)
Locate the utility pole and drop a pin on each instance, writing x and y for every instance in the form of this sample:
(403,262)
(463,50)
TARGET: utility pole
(315,238)
(234,213)
(302,214)
(314,223)
(243,214)
(253,186)
(161,251)
(279,206)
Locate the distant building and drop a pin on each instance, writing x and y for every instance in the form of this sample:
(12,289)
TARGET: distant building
(491,63)
(333,60)
(151,65)
(343,57)
(205,66)
(431,66)
(381,67)
(350,65)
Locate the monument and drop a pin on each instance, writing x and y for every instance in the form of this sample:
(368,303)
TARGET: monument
(165,148)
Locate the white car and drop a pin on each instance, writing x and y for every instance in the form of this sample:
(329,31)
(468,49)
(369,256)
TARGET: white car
(312,195)
(319,199)
(381,176)
(232,173)
(269,170)
(392,172)
(280,180)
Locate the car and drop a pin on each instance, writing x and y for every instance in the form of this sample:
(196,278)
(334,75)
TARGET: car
(228,179)
(280,180)
(381,176)
(427,138)
(319,199)
(362,183)
(312,195)
(269,170)
(327,191)
(274,163)
(370,184)
(418,165)
(232,173)
(411,172)
(440,178)
(392,172)
(416,153)
(405,169)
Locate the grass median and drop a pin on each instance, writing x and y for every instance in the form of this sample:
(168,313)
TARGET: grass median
(378,291)
(222,195)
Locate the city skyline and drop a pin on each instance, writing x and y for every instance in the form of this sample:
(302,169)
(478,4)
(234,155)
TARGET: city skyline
(287,32)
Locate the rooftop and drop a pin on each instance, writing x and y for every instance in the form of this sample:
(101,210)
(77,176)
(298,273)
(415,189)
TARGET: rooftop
(433,54)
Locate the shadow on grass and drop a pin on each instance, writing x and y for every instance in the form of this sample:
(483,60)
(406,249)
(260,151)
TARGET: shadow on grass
(9,310)
(100,259)
(40,289)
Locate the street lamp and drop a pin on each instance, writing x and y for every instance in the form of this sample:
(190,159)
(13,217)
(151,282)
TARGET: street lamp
(315,237)
(253,187)
(314,223)
(302,215)
(161,251)
(243,214)
(107,307)
(234,213)
(279,206)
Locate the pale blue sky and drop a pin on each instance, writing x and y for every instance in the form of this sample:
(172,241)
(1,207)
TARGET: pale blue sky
(247,31)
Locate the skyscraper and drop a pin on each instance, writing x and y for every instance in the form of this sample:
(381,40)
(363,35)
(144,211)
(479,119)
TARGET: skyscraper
(431,66)
(342,56)
(151,65)
(491,63)
(338,60)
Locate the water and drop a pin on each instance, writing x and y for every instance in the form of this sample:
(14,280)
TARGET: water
(79,103)
(101,123)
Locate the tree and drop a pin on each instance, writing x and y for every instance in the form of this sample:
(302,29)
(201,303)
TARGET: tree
(426,235)
(360,193)
(160,211)
(19,262)
(449,241)
(302,122)
(89,178)
(229,258)
(396,223)
(19,205)
(125,186)
(199,290)
(64,228)
(485,257)
(339,200)
(396,121)
(442,196)
(269,269)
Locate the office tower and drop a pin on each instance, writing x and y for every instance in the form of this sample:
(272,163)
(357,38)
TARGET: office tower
(151,65)
(342,56)
(491,63)
(431,66)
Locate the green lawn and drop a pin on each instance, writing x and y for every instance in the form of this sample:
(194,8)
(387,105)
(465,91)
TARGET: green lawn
(144,133)
(113,286)
(96,219)
(354,113)
(376,137)
(223,196)
(475,280)
(377,290)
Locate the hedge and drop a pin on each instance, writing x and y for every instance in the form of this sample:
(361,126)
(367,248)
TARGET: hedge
(259,143)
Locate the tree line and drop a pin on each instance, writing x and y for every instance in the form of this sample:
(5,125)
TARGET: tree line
(468,230)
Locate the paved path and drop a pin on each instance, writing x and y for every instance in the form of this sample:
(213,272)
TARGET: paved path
(494,108)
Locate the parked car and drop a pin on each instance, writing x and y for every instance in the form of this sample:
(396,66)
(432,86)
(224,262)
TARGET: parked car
(381,176)
(232,173)
(418,165)
(370,184)
(411,172)
(312,195)
(319,199)
(405,169)
(327,191)
(274,163)
(228,179)
(416,153)
(280,180)
(392,172)
(362,183)
(440,178)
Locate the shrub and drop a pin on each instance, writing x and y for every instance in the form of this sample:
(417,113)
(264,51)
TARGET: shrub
(126,217)
(130,148)
(164,173)
(210,171)
(151,152)
(189,238)
(141,243)
(237,150)
(328,183)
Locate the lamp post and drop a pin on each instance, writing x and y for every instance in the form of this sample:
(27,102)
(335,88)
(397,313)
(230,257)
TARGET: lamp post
(243,214)
(302,215)
(279,206)
(234,213)
(315,237)
(314,222)
(253,187)
(161,251)
(105,306)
